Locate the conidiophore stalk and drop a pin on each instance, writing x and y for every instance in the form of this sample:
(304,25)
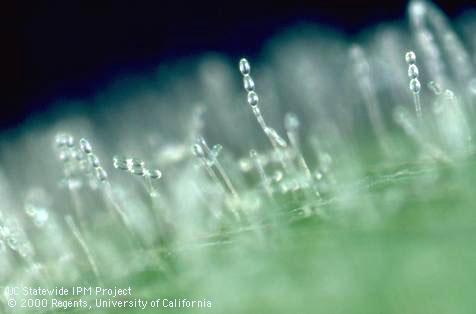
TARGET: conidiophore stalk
(200,154)
(101,175)
(403,119)
(259,167)
(69,154)
(211,159)
(291,124)
(214,168)
(366,85)
(452,123)
(82,243)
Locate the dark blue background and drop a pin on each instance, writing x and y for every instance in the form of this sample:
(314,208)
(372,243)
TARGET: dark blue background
(70,48)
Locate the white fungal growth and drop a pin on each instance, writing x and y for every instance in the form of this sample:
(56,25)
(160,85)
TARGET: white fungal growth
(37,203)
(452,123)
(331,150)
(472,86)
(437,39)
(83,244)
(16,239)
(403,118)
(366,84)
